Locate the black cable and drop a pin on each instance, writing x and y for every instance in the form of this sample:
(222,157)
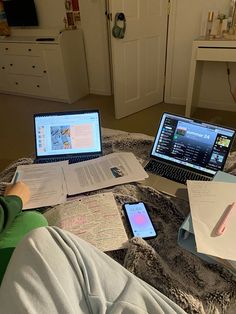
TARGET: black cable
(230,85)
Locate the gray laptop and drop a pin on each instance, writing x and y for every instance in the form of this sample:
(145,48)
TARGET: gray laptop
(186,149)
(73,136)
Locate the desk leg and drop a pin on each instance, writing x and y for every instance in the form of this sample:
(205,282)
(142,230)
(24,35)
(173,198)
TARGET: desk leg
(190,91)
(193,87)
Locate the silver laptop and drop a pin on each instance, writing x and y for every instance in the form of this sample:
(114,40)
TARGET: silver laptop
(72,136)
(186,149)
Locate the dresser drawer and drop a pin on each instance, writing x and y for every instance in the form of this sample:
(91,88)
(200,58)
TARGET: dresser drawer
(22,49)
(38,86)
(31,85)
(216,54)
(24,65)
(3,82)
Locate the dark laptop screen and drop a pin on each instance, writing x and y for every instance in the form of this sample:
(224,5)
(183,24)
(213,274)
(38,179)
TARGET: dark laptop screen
(67,133)
(191,143)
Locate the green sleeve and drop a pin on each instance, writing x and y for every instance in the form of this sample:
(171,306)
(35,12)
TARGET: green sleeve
(14,225)
(10,207)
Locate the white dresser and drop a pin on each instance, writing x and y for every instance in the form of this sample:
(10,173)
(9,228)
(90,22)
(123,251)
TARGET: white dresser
(52,68)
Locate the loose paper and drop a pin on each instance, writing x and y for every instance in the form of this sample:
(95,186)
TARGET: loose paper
(96,219)
(50,183)
(109,170)
(208,201)
(46,183)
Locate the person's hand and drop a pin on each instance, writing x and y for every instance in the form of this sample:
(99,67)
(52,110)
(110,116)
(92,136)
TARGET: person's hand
(19,189)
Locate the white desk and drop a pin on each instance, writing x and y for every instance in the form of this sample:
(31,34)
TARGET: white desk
(206,50)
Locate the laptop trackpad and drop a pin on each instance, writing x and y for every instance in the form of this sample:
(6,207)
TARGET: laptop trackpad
(167,186)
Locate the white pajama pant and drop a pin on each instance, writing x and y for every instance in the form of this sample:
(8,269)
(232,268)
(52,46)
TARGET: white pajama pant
(53,271)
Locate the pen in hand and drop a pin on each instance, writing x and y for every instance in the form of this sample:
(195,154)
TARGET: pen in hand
(224,220)
(15,178)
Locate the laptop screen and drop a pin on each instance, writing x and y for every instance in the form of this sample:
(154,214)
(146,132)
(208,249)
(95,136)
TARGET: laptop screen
(201,146)
(67,133)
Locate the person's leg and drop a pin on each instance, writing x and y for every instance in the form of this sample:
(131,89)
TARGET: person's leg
(53,271)
(22,223)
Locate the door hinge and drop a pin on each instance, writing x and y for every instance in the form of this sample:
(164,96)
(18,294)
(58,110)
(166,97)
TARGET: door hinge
(108,15)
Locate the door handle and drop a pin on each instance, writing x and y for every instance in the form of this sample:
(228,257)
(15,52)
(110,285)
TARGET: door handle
(119,31)
(121,16)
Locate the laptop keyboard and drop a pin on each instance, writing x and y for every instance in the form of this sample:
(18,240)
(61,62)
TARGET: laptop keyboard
(71,160)
(173,173)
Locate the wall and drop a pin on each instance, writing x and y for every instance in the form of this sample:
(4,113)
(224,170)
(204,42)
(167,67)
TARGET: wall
(185,25)
(50,13)
(215,87)
(93,22)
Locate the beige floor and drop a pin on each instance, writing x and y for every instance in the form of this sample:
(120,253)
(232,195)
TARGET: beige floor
(16,120)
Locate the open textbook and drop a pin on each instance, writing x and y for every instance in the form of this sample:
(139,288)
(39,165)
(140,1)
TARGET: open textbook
(95,219)
(51,183)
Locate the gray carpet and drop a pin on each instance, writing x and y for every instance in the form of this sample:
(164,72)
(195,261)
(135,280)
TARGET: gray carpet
(193,284)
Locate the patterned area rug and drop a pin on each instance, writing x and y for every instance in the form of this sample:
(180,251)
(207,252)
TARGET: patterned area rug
(193,284)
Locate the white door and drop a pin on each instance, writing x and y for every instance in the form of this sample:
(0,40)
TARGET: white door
(138,60)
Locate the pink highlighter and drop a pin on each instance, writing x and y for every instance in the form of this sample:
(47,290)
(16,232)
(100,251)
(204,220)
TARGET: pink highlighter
(224,219)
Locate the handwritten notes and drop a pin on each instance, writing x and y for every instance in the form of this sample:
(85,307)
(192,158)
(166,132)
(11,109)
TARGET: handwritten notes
(96,219)
(208,201)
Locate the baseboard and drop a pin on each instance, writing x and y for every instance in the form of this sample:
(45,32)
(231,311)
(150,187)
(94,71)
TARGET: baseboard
(203,104)
(100,92)
(217,106)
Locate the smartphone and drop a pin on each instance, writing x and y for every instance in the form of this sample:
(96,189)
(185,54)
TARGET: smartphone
(139,220)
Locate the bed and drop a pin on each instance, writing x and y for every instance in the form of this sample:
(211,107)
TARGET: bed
(196,286)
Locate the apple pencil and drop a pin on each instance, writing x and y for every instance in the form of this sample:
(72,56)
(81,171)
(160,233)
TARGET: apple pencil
(224,220)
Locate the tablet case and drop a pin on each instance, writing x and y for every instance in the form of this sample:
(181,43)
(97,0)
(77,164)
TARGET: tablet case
(186,240)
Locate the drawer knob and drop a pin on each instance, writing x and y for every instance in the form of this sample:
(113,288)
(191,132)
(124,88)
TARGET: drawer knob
(44,71)
(16,83)
(3,68)
(11,64)
(33,66)
(38,85)
(29,49)
(6,48)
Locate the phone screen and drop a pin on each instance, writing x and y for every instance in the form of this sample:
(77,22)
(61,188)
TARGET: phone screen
(140,221)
